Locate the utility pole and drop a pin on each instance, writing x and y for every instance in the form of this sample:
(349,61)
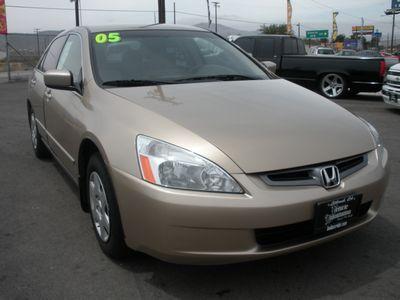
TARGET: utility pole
(216,5)
(392,12)
(362,34)
(76,12)
(298,29)
(209,14)
(37,41)
(161,11)
(174,13)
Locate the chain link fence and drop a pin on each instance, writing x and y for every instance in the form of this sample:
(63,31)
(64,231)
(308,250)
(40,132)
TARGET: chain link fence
(24,51)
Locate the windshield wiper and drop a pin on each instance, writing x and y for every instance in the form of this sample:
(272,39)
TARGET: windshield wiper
(227,77)
(133,82)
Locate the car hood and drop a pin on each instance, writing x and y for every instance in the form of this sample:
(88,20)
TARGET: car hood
(262,125)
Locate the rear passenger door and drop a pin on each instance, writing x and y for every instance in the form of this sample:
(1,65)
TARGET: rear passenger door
(37,86)
(63,108)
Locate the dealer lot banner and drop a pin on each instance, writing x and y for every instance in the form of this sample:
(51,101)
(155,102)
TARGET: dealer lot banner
(3,20)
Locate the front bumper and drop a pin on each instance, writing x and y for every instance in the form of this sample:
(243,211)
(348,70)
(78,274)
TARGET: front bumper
(210,228)
(389,90)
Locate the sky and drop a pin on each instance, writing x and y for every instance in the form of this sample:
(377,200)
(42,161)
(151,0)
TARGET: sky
(247,14)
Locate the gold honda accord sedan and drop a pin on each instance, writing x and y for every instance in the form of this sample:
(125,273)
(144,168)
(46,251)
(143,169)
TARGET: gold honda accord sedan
(188,149)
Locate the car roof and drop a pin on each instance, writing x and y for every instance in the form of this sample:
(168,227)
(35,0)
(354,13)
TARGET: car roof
(142,27)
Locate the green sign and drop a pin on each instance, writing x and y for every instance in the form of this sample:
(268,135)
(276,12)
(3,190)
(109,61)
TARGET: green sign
(317,34)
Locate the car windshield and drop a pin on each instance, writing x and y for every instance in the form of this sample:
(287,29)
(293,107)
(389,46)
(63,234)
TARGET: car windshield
(326,51)
(150,57)
(368,54)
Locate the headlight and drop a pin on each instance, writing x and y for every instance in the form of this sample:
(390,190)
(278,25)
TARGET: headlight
(374,133)
(171,166)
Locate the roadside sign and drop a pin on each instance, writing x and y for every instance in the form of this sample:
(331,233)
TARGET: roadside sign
(377,34)
(350,44)
(395,4)
(369,29)
(318,34)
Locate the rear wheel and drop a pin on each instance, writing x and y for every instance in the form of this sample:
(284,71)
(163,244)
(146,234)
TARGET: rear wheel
(39,147)
(104,209)
(333,86)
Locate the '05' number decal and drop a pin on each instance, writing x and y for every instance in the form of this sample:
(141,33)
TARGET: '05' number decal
(112,37)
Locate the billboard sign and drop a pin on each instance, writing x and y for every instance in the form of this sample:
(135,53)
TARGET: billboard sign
(350,44)
(317,34)
(3,20)
(396,4)
(369,29)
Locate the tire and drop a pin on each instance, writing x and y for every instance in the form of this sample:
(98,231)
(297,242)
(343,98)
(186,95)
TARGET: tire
(333,86)
(39,148)
(104,210)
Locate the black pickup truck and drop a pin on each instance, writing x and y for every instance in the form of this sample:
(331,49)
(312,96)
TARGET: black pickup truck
(333,76)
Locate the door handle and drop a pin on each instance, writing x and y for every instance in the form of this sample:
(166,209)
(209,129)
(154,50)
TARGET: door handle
(47,95)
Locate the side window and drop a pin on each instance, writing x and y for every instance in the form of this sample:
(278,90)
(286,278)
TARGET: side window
(70,58)
(49,62)
(264,48)
(290,46)
(247,44)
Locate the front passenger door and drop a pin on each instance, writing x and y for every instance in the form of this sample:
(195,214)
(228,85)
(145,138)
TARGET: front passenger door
(64,108)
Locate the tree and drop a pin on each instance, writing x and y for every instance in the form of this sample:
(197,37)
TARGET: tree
(274,29)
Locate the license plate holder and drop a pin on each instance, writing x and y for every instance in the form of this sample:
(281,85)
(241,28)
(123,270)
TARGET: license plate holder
(334,215)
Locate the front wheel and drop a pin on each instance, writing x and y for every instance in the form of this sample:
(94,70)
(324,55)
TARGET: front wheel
(104,209)
(39,147)
(333,86)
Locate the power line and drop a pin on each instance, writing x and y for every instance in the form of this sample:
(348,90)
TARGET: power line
(345,13)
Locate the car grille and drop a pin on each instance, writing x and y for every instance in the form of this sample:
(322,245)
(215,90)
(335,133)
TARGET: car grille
(394,73)
(310,175)
(393,83)
(284,236)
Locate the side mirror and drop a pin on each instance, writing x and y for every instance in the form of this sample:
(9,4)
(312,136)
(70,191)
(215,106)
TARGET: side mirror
(59,79)
(271,66)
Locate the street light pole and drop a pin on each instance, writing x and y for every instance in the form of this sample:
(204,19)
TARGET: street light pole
(216,5)
(393,12)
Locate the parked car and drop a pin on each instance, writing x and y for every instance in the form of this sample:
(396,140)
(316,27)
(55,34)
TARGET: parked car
(321,51)
(347,52)
(390,60)
(199,157)
(391,88)
(333,76)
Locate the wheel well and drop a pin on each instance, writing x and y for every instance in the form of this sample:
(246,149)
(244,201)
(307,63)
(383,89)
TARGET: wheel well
(86,150)
(29,109)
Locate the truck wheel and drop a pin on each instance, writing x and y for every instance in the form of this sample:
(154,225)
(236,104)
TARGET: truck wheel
(39,147)
(104,209)
(333,86)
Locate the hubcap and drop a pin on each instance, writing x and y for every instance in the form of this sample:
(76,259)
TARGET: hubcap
(33,131)
(99,207)
(332,85)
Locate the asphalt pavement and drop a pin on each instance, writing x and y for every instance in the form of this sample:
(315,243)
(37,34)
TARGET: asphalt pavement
(48,249)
